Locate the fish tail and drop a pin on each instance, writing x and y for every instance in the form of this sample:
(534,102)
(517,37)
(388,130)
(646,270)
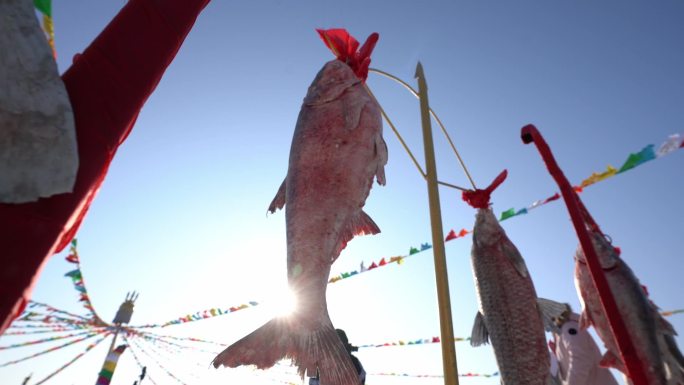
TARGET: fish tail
(323,350)
(263,347)
(317,350)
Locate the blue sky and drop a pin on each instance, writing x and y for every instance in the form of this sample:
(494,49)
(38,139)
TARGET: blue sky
(181,217)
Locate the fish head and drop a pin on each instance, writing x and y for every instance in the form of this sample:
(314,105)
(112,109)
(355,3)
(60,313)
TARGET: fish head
(331,82)
(607,255)
(489,230)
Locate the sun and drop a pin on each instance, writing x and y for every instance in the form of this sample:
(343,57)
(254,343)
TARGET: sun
(283,303)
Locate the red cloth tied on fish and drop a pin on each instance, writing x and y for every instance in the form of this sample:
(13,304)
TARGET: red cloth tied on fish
(344,46)
(479,199)
(107,85)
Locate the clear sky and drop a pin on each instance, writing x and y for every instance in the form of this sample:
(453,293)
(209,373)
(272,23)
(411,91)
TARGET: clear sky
(181,217)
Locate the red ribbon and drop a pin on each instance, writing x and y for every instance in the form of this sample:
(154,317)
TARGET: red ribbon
(344,46)
(479,199)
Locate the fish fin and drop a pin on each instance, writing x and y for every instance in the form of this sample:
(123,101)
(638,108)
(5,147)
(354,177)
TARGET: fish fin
(334,362)
(279,199)
(313,350)
(360,224)
(381,153)
(480,334)
(549,310)
(673,350)
(664,324)
(611,360)
(263,347)
(514,256)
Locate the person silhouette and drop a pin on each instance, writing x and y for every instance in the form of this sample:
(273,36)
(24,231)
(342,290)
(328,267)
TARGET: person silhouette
(357,363)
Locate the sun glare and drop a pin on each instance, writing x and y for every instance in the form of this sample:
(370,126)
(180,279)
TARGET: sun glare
(283,303)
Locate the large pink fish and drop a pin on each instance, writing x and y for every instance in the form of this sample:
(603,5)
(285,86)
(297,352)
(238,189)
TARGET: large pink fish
(651,334)
(510,315)
(336,152)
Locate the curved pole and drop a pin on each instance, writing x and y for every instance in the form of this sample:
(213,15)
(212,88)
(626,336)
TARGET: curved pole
(576,209)
(434,115)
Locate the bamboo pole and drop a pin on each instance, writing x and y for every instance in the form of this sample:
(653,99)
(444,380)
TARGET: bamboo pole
(445,321)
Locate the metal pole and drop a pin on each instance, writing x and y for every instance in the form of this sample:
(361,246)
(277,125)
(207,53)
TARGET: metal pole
(445,322)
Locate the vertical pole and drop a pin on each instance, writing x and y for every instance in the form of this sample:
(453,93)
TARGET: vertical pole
(445,322)
(111,348)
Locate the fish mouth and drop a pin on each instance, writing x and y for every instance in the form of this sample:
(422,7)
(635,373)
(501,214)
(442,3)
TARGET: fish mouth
(319,96)
(331,82)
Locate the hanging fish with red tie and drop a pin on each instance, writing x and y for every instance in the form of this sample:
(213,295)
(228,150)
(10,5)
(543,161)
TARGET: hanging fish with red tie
(337,151)
(510,316)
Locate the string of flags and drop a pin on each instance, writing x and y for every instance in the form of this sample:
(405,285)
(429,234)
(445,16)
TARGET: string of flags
(468,374)
(77,279)
(432,340)
(140,365)
(673,143)
(672,312)
(168,372)
(185,343)
(76,358)
(52,320)
(34,304)
(200,315)
(45,7)
(168,345)
(54,348)
(648,153)
(40,341)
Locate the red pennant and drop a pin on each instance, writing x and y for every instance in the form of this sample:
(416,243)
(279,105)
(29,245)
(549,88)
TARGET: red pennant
(382,262)
(463,233)
(372,266)
(435,340)
(73,258)
(450,236)
(552,198)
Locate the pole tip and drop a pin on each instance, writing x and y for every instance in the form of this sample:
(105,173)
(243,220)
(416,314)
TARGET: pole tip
(419,71)
(527,133)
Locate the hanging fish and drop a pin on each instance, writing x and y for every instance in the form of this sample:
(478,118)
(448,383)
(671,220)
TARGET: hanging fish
(336,152)
(38,154)
(652,335)
(605,283)
(510,316)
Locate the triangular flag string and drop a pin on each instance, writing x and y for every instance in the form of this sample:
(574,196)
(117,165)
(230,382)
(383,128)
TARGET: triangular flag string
(45,7)
(636,159)
(79,285)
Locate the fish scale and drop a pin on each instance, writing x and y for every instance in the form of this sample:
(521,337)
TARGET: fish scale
(337,151)
(647,328)
(508,306)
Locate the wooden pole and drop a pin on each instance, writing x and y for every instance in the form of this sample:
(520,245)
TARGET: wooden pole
(445,322)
